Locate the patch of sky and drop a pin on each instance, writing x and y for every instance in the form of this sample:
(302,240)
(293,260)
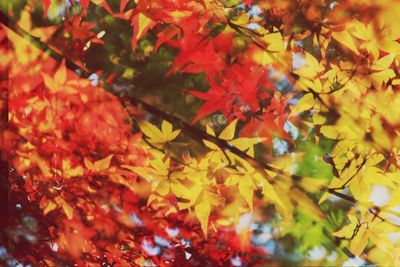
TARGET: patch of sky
(270,246)
(136,219)
(172,232)
(188,255)
(69,4)
(161,241)
(261,239)
(354,262)
(393,218)
(279,146)
(317,253)
(298,61)
(244,221)
(94,79)
(186,243)
(253,26)
(332,5)
(380,195)
(3,253)
(149,248)
(53,246)
(292,130)
(394,237)
(332,257)
(236,261)
(280,81)
(255,11)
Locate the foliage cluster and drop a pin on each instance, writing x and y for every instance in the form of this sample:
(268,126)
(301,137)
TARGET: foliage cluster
(201,132)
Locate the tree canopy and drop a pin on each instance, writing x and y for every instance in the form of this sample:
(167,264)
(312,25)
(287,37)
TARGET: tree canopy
(200,132)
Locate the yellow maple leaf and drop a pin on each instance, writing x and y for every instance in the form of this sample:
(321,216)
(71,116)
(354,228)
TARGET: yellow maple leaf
(43,33)
(360,231)
(155,135)
(306,102)
(382,71)
(219,155)
(141,24)
(99,165)
(60,84)
(202,211)
(247,180)
(69,212)
(163,179)
(275,41)
(68,171)
(312,68)
(345,38)
(50,207)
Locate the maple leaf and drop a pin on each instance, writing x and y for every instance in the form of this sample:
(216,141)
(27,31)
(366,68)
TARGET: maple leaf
(274,40)
(69,212)
(368,175)
(222,156)
(266,126)
(204,58)
(247,180)
(165,36)
(43,33)
(360,231)
(155,135)
(247,2)
(99,165)
(202,211)
(346,39)
(367,34)
(84,4)
(238,92)
(141,24)
(46,5)
(104,4)
(123,5)
(312,68)
(59,82)
(260,56)
(306,102)
(202,198)
(214,99)
(69,171)
(49,207)
(382,71)
(359,176)
(163,179)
